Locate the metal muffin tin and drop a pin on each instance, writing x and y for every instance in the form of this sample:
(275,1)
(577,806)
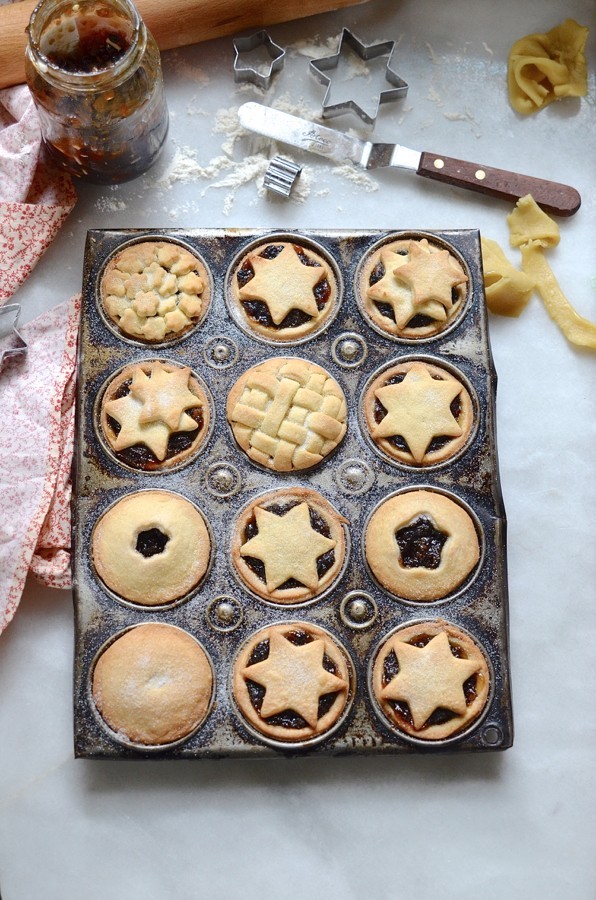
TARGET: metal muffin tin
(221,480)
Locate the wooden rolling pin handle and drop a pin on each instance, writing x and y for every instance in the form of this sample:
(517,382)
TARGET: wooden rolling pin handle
(174,23)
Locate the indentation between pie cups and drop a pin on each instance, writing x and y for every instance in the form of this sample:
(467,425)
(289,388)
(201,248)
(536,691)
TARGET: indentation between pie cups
(122,738)
(152,607)
(236,542)
(465,584)
(365,267)
(165,467)
(175,337)
(438,364)
(301,334)
(301,743)
(429,743)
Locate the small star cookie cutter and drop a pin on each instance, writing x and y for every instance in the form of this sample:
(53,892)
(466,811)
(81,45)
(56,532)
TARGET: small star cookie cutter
(255,74)
(318,68)
(281,175)
(11,341)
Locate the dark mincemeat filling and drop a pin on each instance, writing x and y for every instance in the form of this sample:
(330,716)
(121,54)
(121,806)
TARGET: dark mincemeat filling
(397,440)
(420,544)
(258,310)
(317,522)
(386,310)
(288,718)
(151,542)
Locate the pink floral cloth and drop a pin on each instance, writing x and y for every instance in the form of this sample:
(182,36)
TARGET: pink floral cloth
(37,390)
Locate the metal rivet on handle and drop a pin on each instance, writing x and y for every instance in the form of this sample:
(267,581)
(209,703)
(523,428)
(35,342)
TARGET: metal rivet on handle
(480,174)
(439,163)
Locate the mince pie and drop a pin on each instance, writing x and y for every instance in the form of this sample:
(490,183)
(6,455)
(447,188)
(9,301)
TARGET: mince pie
(431,680)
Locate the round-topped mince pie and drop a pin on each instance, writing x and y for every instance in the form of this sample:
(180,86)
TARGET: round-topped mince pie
(283,291)
(288,546)
(421,545)
(431,680)
(155,291)
(412,288)
(287,413)
(151,547)
(418,413)
(153,684)
(154,415)
(292,682)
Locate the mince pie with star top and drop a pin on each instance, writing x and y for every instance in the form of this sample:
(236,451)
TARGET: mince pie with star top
(292,682)
(288,546)
(283,291)
(412,288)
(154,415)
(418,413)
(431,680)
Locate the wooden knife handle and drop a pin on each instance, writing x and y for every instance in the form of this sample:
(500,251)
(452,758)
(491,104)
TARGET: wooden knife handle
(173,23)
(559,199)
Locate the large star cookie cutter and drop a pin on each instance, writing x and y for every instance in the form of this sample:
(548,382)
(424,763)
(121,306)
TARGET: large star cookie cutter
(11,342)
(260,75)
(318,68)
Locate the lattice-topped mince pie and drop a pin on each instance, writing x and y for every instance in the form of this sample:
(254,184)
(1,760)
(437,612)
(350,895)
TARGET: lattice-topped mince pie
(287,413)
(292,682)
(418,413)
(431,680)
(412,288)
(288,546)
(283,291)
(154,415)
(155,291)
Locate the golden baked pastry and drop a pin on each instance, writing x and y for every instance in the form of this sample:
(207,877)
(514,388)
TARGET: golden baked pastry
(412,288)
(431,680)
(155,290)
(418,413)
(151,547)
(292,681)
(421,545)
(283,291)
(289,545)
(287,413)
(154,415)
(153,684)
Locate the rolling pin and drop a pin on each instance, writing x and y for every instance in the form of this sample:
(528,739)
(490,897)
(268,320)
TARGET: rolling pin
(173,23)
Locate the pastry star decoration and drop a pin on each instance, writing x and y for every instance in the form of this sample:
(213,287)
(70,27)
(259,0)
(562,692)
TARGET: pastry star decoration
(288,546)
(418,409)
(430,276)
(153,409)
(283,284)
(429,678)
(389,290)
(294,678)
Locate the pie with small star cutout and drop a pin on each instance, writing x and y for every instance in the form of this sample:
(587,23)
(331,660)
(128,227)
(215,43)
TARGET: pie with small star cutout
(154,415)
(412,288)
(418,413)
(283,291)
(431,680)
(289,546)
(292,682)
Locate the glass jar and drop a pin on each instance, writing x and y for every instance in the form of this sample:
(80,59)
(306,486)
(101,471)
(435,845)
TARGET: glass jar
(95,75)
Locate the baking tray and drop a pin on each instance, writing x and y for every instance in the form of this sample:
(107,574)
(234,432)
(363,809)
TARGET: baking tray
(221,480)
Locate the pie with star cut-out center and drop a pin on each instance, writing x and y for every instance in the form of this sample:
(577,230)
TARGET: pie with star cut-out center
(412,288)
(289,546)
(431,680)
(421,545)
(292,682)
(154,415)
(418,413)
(283,291)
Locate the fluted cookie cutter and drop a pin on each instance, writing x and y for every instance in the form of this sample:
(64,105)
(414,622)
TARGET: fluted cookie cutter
(281,175)
(318,68)
(11,341)
(252,73)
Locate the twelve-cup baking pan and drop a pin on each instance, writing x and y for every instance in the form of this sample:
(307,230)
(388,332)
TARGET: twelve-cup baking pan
(356,610)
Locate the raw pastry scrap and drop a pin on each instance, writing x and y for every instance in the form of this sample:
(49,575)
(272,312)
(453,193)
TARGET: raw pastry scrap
(547,67)
(507,289)
(155,290)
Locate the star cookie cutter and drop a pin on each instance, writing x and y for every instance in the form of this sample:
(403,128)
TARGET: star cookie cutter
(254,74)
(318,68)
(281,175)
(11,342)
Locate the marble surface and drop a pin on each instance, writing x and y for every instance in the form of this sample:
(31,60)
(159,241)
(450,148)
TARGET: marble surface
(519,824)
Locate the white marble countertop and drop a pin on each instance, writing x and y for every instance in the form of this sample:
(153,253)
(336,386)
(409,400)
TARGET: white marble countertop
(519,824)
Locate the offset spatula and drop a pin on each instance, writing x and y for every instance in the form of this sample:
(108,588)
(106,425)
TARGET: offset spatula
(560,199)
